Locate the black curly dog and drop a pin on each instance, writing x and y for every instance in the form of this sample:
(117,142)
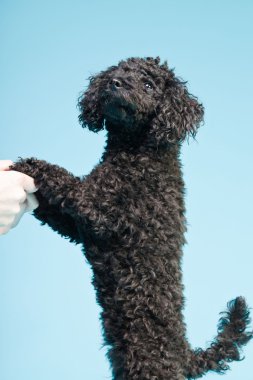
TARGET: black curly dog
(129,216)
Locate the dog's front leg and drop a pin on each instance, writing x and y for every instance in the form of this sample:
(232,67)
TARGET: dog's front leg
(54,185)
(52,181)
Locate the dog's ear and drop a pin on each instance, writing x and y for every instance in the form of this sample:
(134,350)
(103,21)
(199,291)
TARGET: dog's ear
(178,115)
(89,104)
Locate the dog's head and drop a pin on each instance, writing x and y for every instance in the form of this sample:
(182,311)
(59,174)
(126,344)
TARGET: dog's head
(141,95)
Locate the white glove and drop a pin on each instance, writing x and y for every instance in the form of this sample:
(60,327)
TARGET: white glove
(16,196)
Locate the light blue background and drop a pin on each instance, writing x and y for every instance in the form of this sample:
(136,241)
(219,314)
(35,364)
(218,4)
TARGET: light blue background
(49,321)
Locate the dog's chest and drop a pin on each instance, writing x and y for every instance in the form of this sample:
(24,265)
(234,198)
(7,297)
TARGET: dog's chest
(138,200)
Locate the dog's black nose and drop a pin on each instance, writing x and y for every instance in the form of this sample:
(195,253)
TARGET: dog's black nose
(115,83)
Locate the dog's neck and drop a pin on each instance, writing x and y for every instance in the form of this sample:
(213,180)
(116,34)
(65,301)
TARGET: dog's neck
(142,154)
(133,139)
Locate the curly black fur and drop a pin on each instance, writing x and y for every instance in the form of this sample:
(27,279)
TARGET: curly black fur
(129,216)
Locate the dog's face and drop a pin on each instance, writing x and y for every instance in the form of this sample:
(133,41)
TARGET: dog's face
(131,95)
(140,95)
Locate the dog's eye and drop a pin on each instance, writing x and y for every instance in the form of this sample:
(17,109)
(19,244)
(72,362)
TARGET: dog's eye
(148,86)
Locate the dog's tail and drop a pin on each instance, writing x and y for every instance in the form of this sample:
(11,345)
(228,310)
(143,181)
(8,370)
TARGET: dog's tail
(232,335)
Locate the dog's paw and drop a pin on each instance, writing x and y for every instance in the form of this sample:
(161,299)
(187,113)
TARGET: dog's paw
(31,167)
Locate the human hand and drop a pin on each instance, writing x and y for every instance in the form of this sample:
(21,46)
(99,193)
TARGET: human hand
(16,196)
